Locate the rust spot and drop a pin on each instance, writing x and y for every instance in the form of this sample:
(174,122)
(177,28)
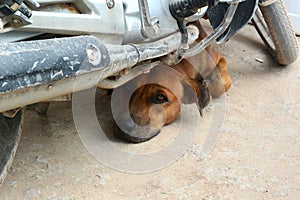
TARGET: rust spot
(69,7)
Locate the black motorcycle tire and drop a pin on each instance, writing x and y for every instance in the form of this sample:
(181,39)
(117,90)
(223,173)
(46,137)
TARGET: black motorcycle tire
(275,28)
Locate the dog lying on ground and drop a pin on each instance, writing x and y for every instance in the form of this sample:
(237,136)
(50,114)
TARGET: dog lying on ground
(156,101)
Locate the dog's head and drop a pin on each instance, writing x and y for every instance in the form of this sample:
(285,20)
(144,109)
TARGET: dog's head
(156,101)
(158,95)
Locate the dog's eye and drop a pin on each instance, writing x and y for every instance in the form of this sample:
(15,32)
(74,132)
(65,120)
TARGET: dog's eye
(160,98)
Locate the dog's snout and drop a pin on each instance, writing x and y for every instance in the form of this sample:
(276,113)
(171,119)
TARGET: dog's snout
(126,125)
(130,131)
(138,120)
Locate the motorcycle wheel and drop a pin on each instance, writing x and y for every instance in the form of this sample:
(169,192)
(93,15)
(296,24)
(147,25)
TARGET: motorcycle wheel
(274,27)
(10,134)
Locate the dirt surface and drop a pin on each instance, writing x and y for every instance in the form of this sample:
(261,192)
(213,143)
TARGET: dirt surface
(257,155)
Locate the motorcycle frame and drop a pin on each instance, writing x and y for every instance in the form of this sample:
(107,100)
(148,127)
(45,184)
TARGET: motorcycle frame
(89,19)
(37,80)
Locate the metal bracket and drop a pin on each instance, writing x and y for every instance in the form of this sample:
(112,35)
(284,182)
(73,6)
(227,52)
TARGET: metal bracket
(16,13)
(54,17)
(150,26)
(265,3)
(215,34)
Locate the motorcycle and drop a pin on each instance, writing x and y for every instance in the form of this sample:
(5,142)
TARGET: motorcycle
(52,48)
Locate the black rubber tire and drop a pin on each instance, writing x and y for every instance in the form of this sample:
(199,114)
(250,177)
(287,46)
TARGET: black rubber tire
(275,28)
(10,134)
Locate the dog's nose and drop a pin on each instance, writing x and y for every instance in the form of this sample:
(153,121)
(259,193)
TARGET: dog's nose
(126,127)
(129,131)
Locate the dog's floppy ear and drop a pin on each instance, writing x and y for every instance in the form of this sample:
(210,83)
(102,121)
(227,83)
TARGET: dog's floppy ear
(219,79)
(196,90)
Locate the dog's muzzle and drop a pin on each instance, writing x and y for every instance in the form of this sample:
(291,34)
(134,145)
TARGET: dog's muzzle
(130,131)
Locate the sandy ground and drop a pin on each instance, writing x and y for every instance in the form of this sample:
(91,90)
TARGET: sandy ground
(257,155)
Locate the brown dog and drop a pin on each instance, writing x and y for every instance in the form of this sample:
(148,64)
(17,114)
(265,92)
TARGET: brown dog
(156,101)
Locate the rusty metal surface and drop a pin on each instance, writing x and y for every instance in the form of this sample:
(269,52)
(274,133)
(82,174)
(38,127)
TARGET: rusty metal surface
(10,133)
